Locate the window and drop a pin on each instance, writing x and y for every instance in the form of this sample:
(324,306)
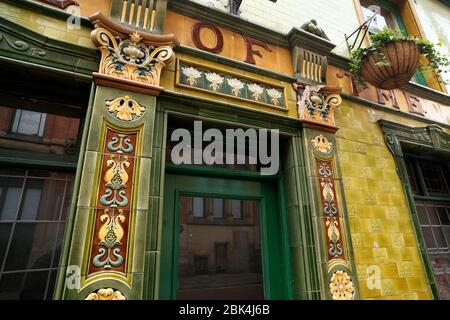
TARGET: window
(201,264)
(221,257)
(29,123)
(384,19)
(33,210)
(434,221)
(236,208)
(42,132)
(433,176)
(218,209)
(429,182)
(198,207)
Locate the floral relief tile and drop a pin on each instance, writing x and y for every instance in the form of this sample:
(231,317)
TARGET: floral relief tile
(222,83)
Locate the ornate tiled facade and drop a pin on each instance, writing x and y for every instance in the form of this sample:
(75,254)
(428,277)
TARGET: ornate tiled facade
(92,103)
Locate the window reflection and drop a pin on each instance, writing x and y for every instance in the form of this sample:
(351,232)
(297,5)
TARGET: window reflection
(219,252)
(33,209)
(38,132)
(29,122)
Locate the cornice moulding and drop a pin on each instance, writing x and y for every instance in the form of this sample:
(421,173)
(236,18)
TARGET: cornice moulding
(47,10)
(150,39)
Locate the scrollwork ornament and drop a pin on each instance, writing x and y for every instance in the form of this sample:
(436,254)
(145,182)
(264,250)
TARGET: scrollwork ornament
(130,59)
(22,46)
(333,100)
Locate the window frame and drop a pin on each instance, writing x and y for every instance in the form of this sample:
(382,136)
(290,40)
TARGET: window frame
(60,222)
(16,123)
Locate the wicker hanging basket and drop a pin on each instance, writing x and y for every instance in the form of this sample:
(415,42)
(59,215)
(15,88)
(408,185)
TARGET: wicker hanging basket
(403,61)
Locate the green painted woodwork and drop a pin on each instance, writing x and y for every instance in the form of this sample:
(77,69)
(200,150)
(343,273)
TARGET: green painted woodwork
(302,243)
(291,183)
(27,158)
(432,138)
(226,113)
(276,272)
(19,43)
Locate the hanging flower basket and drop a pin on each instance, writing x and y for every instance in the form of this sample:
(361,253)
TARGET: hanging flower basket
(391,66)
(392,59)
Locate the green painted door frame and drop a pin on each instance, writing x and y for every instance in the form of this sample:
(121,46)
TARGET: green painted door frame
(277,273)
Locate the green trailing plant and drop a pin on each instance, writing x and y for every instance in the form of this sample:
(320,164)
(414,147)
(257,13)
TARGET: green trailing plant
(436,60)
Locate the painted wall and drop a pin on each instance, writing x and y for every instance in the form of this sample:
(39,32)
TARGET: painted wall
(338,18)
(434,17)
(381,228)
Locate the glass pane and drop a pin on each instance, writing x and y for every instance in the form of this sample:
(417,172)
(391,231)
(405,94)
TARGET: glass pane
(423,216)
(32,246)
(67,198)
(42,199)
(221,259)
(5,229)
(236,208)
(446,231)
(197,207)
(23,286)
(429,239)
(51,285)
(440,239)
(10,197)
(30,205)
(433,177)
(221,149)
(59,242)
(411,175)
(218,208)
(443,216)
(432,214)
(27,122)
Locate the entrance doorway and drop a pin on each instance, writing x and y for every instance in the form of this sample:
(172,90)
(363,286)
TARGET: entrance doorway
(222,238)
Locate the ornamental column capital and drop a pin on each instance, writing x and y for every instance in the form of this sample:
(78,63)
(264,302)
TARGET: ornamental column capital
(317,103)
(130,59)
